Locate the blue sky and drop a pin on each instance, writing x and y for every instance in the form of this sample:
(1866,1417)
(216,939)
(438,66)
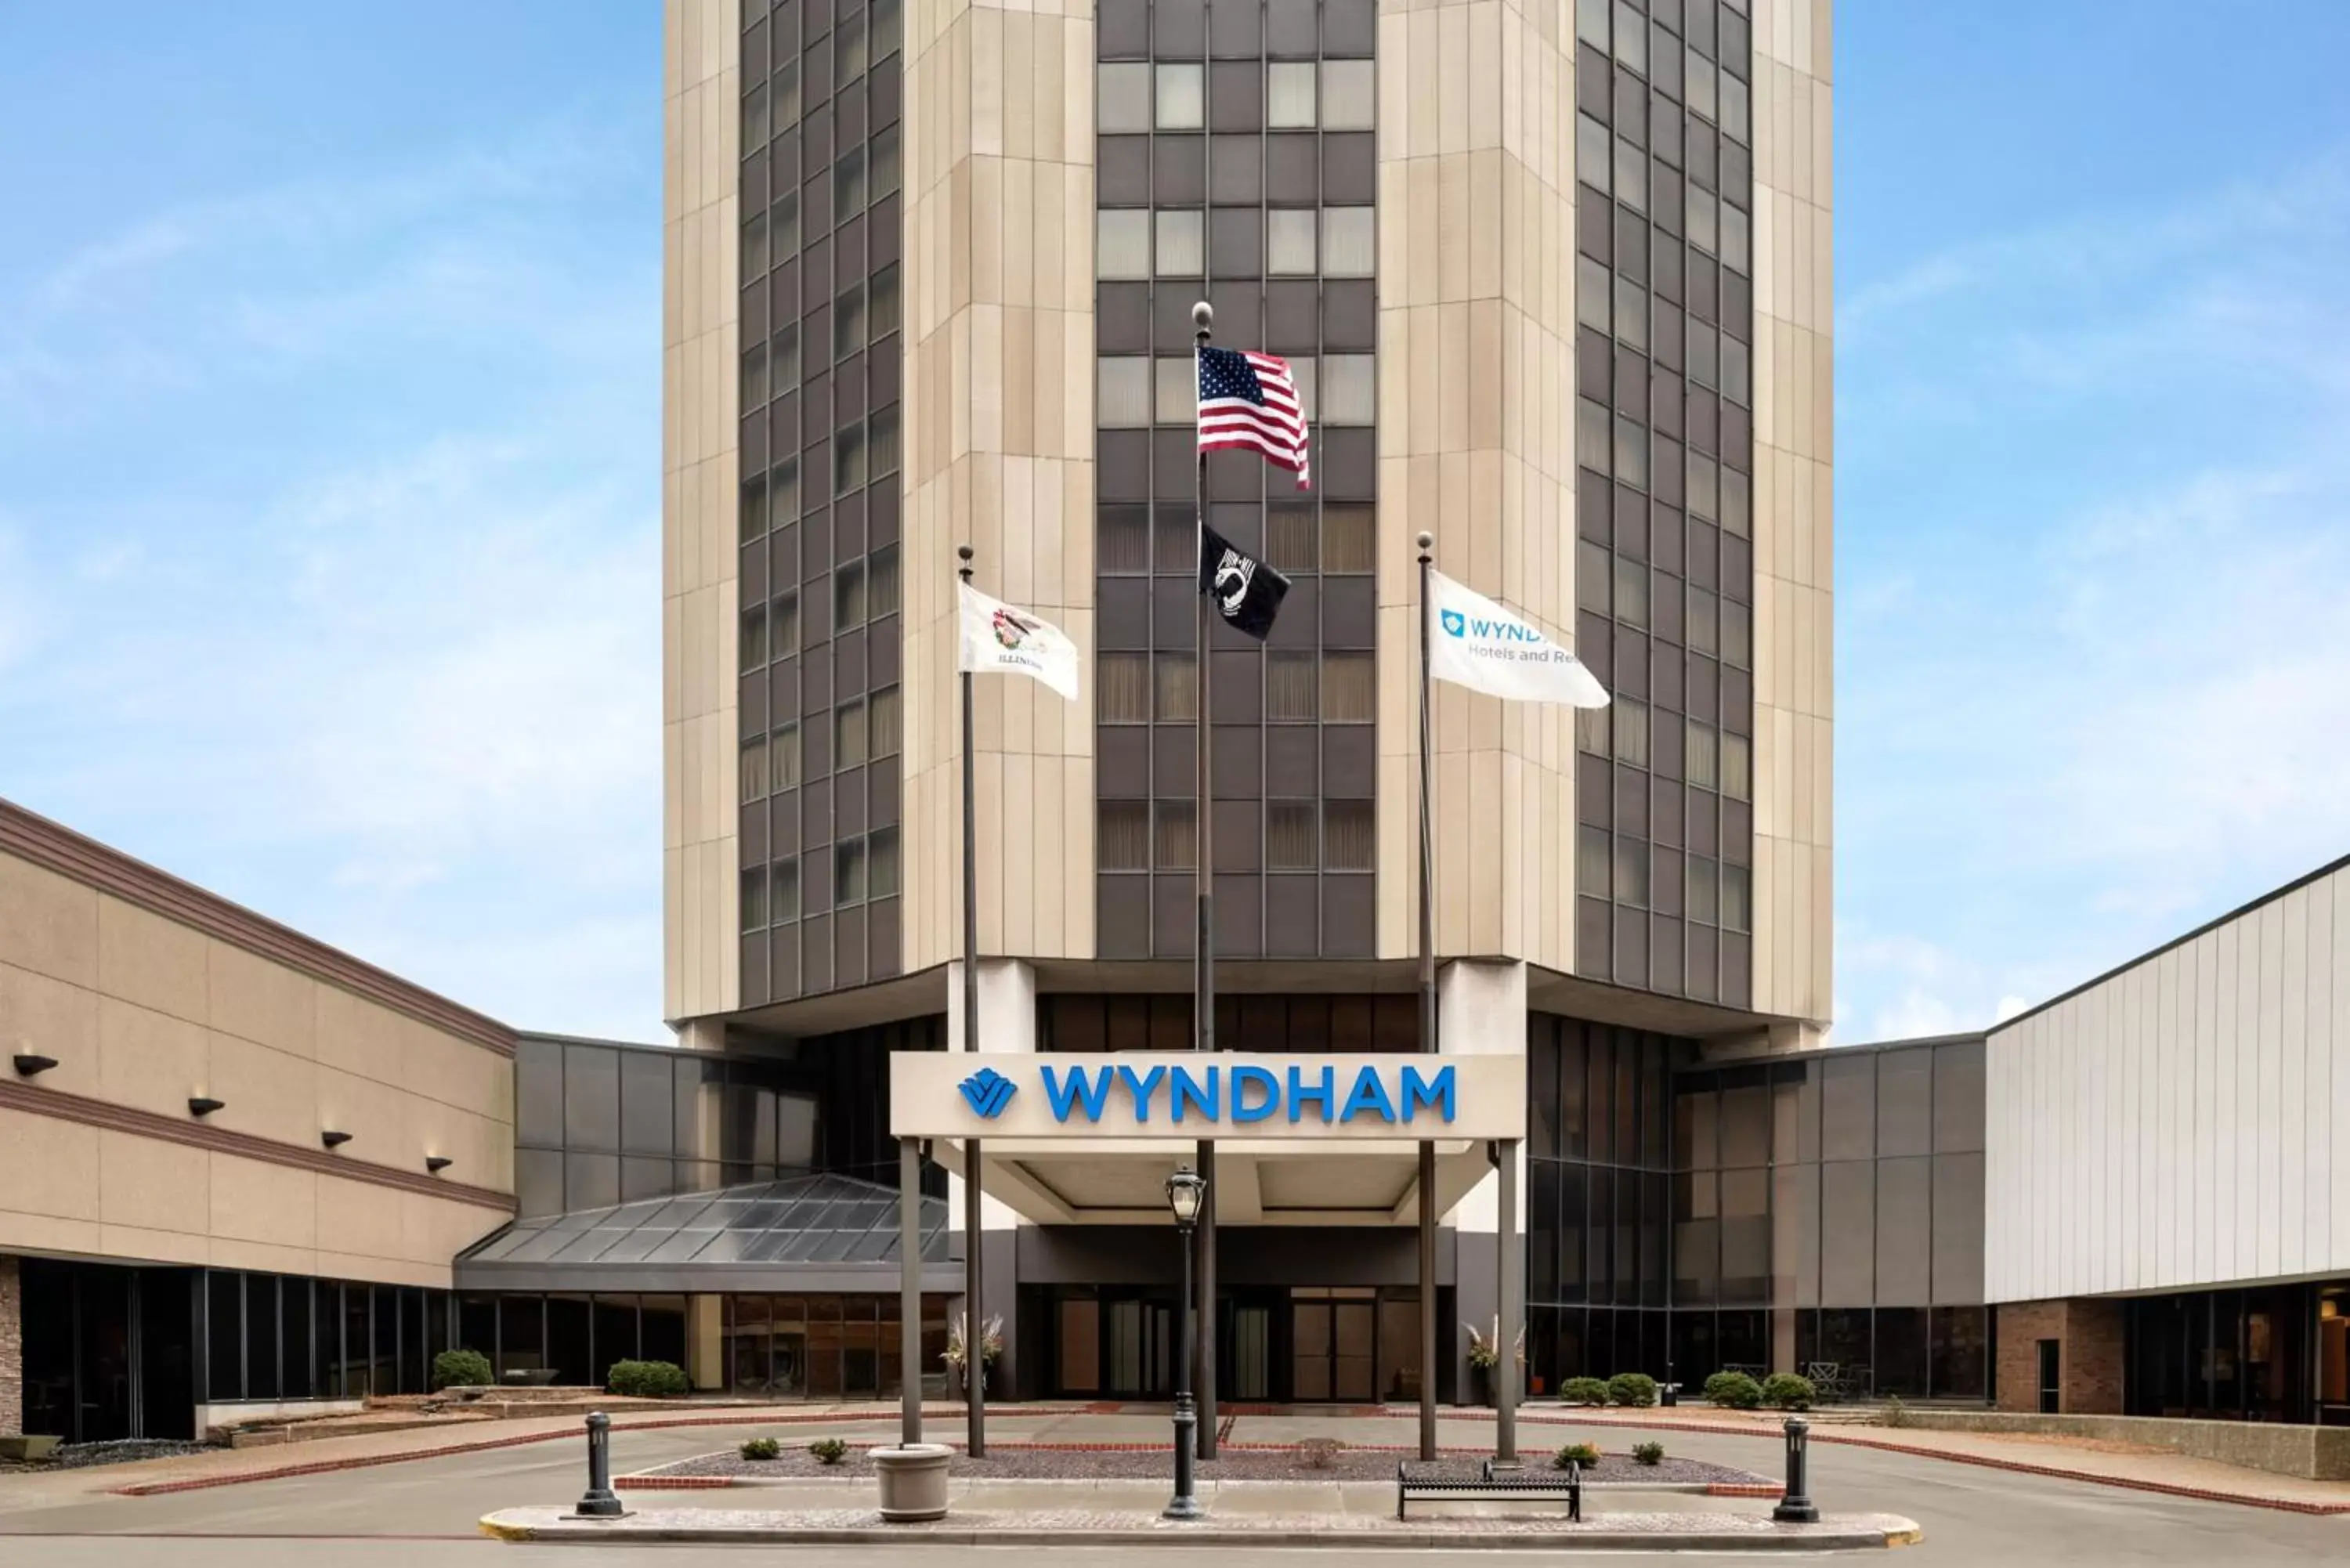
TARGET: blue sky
(329,387)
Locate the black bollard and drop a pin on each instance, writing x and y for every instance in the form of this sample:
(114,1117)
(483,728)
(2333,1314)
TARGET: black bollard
(601,1501)
(1795,1506)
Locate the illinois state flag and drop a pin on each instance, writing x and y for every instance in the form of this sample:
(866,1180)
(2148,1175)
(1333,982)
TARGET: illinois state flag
(996,636)
(1476,643)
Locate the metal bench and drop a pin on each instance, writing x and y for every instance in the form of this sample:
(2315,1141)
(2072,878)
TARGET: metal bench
(1490,1485)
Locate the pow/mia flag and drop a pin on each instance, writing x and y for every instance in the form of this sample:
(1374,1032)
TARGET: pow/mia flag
(1246,591)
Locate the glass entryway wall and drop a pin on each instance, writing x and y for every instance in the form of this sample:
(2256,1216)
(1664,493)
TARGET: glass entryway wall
(1275,1344)
(2276,1352)
(1334,1341)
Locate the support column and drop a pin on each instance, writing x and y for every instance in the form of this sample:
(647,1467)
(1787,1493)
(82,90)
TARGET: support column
(1482,1011)
(1007,1022)
(909,1291)
(1510,1270)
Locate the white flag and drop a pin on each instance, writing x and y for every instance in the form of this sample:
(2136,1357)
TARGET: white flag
(996,636)
(1476,643)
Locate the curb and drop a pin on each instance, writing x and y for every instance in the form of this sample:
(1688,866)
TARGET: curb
(656,1482)
(1617,1541)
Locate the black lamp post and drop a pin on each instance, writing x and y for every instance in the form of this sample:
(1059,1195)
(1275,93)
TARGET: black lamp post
(1185,1191)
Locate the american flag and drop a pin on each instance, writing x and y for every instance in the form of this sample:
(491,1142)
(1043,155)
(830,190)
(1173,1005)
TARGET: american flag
(1249,402)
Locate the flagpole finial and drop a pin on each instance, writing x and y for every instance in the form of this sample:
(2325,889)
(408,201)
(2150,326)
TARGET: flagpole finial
(1203,319)
(1427,543)
(962,553)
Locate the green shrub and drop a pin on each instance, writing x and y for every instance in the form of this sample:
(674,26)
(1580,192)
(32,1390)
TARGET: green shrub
(1648,1453)
(1631,1388)
(1584,1391)
(828,1450)
(1584,1454)
(1897,1414)
(462,1369)
(645,1379)
(1734,1390)
(1786,1391)
(760,1448)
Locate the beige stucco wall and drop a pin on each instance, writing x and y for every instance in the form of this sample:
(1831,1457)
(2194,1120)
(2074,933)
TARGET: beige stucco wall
(1476,446)
(1794,536)
(701,559)
(999,454)
(141,1011)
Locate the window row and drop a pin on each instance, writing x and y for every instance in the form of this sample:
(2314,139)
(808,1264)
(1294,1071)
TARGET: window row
(1623,102)
(1305,95)
(772,101)
(1299,835)
(1711,357)
(1622,448)
(1334,540)
(1710,35)
(860,175)
(862,314)
(1132,391)
(1696,618)
(1716,224)
(1125,29)
(1712,757)
(863,868)
(865,449)
(1712,893)
(861,591)
(860,729)
(1299,688)
(1247,241)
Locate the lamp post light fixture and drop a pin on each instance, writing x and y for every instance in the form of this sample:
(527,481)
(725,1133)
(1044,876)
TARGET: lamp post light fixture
(1185,1194)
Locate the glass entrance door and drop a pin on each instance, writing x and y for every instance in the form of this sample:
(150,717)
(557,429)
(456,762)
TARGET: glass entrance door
(1333,1337)
(1138,1348)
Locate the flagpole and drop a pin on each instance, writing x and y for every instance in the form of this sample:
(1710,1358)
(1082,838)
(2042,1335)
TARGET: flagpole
(1204,961)
(1426,1036)
(974,1234)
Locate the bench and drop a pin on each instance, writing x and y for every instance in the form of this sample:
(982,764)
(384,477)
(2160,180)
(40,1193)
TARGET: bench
(1490,1485)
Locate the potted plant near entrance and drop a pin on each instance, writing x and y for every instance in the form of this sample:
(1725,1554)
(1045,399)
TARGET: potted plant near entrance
(1484,1356)
(958,1348)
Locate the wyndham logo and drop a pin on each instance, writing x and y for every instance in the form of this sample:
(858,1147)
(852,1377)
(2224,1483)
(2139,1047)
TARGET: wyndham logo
(1484,630)
(1455,623)
(987,1091)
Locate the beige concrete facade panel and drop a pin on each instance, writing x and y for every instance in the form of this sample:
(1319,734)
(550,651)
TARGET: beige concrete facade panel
(1476,349)
(156,963)
(48,923)
(999,443)
(702,119)
(1794,510)
(152,1184)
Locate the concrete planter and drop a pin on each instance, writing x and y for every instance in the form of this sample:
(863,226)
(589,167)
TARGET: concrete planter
(27,1450)
(913,1482)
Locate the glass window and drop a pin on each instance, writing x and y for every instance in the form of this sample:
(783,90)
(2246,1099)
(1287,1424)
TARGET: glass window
(1173,846)
(1182,242)
(755,245)
(1632,313)
(1904,1231)
(1592,155)
(1698,756)
(1291,830)
(1700,491)
(848,872)
(1349,836)
(755,898)
(1289,95)
(1591,728)
(754,375)
(881,582)
(1290,687)
(754,118)
(752,771)
(1631,729)
(1123,835)
(1699,78)
(1957,1100)
(1736,915)
(1733,107)
(753,510)
(1592,291)
(1737,243)
(1350,242)
(785,364)
(1176,400)
(1593,570)
(882,439)
(1349,94)
(784,892)
(1122,687)
(849,185)
(888,28)
(1737,503)
(1348,390)
(1594,436)
(1631,592)
(1122,97)
(1349,688)
(783,756)
(1176,693)
(1737,766)
(1631,36)
(848,459)
(1181,97)
(1849,1234)
(1305,373)
(1289,240)
(1904,1100)
(1122,391)
(882,862)
(885,307)
(1631,176)
(784,629)
(1122,243)
(1848,1107)
(1632,872)
(849,322)
(1958,1226)
(1348,539)
(1704,881)
(783,95)
(1632,452)
(591,1097)
(848,596)
(1594,860)
(753,647)
(1289,538)
(1591,23)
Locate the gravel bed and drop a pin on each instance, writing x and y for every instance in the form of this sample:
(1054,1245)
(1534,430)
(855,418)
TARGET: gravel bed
(81,1456)
(1011,1462)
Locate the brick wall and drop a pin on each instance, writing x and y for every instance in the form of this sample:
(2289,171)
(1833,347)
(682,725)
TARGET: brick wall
(12,1347)
(2089,1358)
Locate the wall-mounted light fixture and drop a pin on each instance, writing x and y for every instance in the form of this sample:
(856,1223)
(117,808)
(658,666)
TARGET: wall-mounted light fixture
(437,1163)
(334,1139)
(200,1105)
(29,1065)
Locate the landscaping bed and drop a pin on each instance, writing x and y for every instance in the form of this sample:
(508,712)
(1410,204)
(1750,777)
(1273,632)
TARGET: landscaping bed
(81,1456)
(1013,1461)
